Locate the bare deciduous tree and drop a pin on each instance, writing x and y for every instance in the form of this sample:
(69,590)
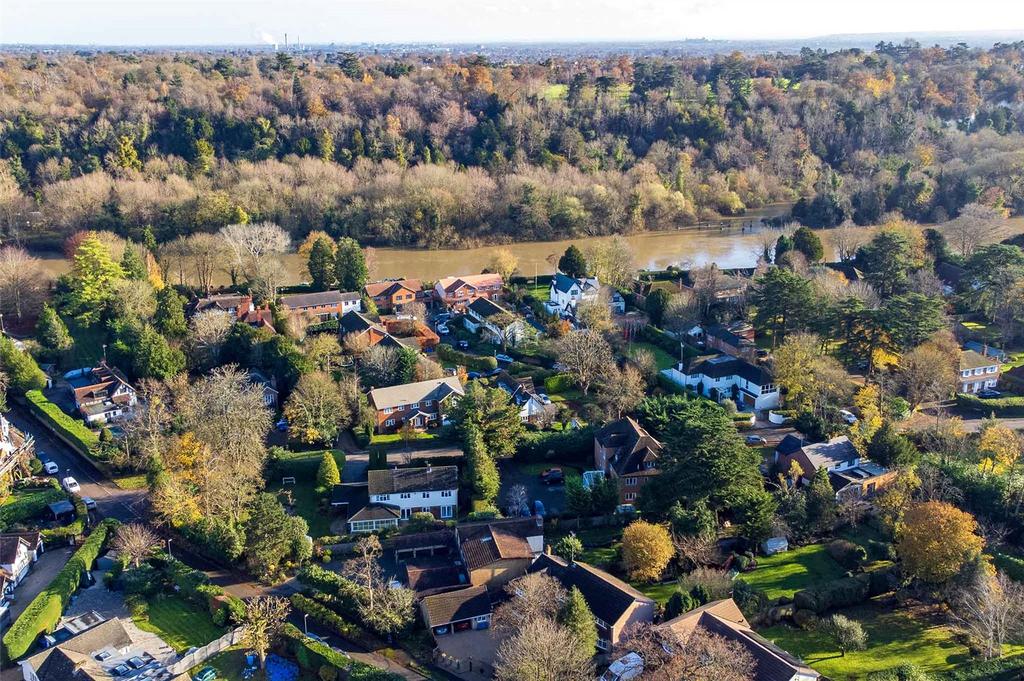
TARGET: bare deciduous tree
(206,335)
(846,239)
(135,542)
(388,610)
(699,656)
(585,354)
(621,390)
(255,251)
(534,596)
(992,613)
(542,650)
(517,501)
(612,262)
(263,621)
(23,284)
(976,224)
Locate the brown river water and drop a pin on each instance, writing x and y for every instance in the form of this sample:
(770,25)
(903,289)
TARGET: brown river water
(734,242)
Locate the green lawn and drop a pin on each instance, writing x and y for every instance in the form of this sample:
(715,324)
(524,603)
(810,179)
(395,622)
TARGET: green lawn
(786,573)
(893,638)
(131,481)
(26,504)
(396,438)
(659,592)
(661,358)
(179,623)
(88,348)
(307,505)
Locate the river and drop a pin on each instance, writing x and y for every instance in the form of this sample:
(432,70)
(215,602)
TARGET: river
(735,242)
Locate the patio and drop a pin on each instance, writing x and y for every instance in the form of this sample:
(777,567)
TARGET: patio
(468,654)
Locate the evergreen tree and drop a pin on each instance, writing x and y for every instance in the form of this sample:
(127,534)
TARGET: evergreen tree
(890,448)
(321,265)
(23,374)
(149,239)
(145,351)
(782,246)
(822,509)
(132,264)
(52,332)
(492,411)
(572,263)
(785,302)
(807,242)
(169,317)
(327,475)
(656,304)
(578,619)
(92,280)
(481,472)
(350,265)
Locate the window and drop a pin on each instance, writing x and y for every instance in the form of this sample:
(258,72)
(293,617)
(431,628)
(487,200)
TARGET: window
(629,482)
(603,644)
(388,410)
(426,495)
(405,514)
(446,511)
(415,405)
(381,497)
(990,370)
(965,374)
(630,496)
(428,403)
(600,622)
(405,495)
(446,493)
(389,422)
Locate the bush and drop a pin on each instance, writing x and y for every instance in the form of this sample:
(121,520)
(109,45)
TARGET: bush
(344,591)
(75,431)
(1001,406)
(572,445)
(847,554)
(559,383)
(805,619)
(323,615)
(750,600)
(844,592)
(447,353)
(43,613)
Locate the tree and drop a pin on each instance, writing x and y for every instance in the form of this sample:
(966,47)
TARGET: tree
(611,261)
(262,621)
(145,351)
(23,283)
(207,334)
(886,261)
(935,541)
(1000,448)
(928,372)
(491,412)
(350,265)
(135,542)
(23,374)
(846,239)
(52,332)
(503,262)
(697,656)
(327,475)
(132,265)
(321,264)
(784,302)
(255,250)
(822,509)
(270,535)
(890,448)
(316,409)
(542,650)
(976,224)
(577,617)
(646,550)
(991,612)
(585,354)
(169,318)
(656,305)
(569,547)
(93,275)
(517,501)
(807,242)
(321,349)
(572,263)
(621,390)
(387,610)
(809,378)
(481,472)
(845,633)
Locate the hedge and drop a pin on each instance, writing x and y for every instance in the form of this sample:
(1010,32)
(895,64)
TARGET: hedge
(72,529)
(344,591)
(568,445)
(44,612)
(301,465)
(22,510)
(559,383)
(1003,669)
(325,616)
(1011,565)
(447,353)
(846,591)
(1000,406)
(312,655)
(75,431)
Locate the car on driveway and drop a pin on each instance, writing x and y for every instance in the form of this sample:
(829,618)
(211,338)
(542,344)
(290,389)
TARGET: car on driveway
(282,426)
(989,394)
(70,485)
(848,416)
(755,441)
(544,398)
(443,329)
(503,358)
(50,467)
(205,674)
(552,476)
(463,345)
(90,503)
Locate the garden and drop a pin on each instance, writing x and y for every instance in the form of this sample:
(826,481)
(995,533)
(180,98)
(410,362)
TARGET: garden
(179,623)
(302,497)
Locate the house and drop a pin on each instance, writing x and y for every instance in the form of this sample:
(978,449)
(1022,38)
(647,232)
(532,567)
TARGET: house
(270,393)
(566,293)
(723,618)
(726,377)
(112,649)
(102,393)
(726,289)
(356,329)
(352,501)
(498,551)
(617,606)
(977,372)
(736,339)
(532,407)
(18,552)
(483,316)
(626,452)
(458,292)
(323,305)
(387,295)
(239,306)
(643,288)
(460,610)
(411,332)
(422,404)
(15,450)
(431,489)
(851,476)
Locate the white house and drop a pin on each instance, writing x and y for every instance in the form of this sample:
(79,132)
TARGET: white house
(977,372)
(431,489)
(18,551)
(726,377)
(567,293)
(102,394)
(532,407)
(480,317)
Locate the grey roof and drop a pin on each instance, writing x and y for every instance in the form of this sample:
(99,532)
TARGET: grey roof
(836,451)
(632,443)
(455,606)
(356,322)
(65,660)
(486,308)
(375,512)
(721,366)
(608,597)
(425,479)
(409,393)
(563,283)
(298,300)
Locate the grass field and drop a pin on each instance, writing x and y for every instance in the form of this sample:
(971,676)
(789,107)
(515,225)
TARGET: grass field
(786,573)
(178,623)
(661,358)
(659,592)
(919,636)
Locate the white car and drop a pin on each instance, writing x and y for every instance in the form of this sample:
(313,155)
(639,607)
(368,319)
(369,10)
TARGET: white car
(50,467)
(848,416)
(70,485)
(443,329)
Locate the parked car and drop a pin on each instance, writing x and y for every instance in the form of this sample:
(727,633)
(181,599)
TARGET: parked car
(70,485)
(544,398)
(443,329)
(442,317)
(538,507)
(205,674)
(627,667)
(463,345)
(755,441)
(282,425)
(848,416)
(552,476)
(503,358)
(90,503)
(50,467)
(989,394)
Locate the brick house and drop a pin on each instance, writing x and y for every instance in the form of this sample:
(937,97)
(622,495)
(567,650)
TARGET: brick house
(240,306)
(387,295)
(628,454)
(498,551)
(431,489)
(323,305)
(101,394)
(458,292)
(851,476)
(423,404)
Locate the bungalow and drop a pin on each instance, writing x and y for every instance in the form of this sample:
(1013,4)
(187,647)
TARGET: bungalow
(18,552)
(461,610)
(355,328)
(532,407)
(626,452)
(323,305)
(977,372)
(458,292)
(102,393)
(423,404)
(851,476)
(566,293)
(498,551)
(432,489)
(727,377)
(386,295)
(483,316)
(618,608)
(723,618)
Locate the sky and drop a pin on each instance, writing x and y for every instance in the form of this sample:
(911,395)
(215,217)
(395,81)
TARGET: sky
(208,22)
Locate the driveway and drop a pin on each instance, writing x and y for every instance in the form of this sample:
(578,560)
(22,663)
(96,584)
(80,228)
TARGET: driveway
(111,500)
(512,474)
(42,573)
